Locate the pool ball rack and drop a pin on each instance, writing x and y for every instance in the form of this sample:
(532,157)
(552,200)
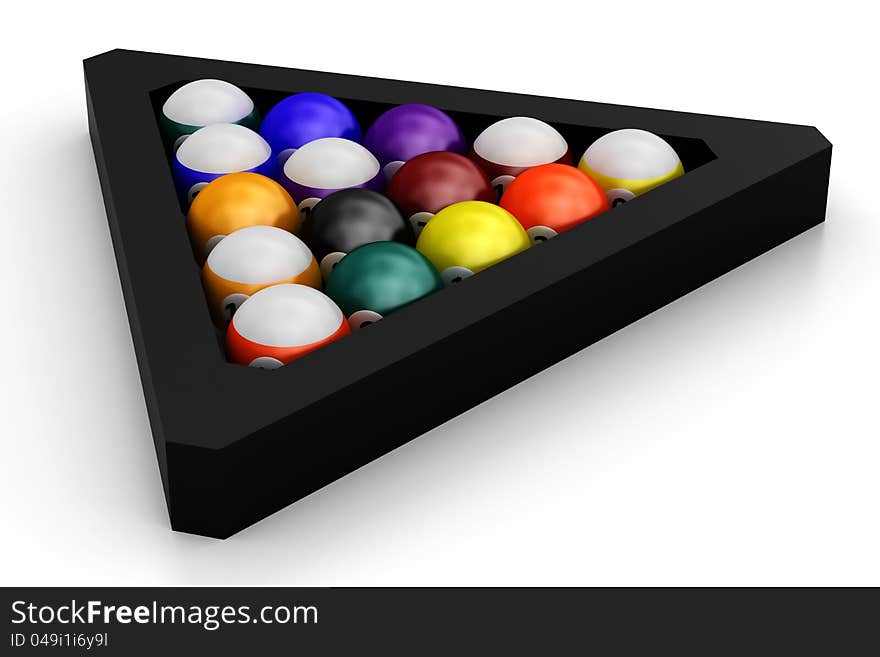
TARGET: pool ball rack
(236,444)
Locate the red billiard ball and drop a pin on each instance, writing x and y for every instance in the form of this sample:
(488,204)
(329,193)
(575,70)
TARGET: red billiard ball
(432,181)
(551,198)
(282,323)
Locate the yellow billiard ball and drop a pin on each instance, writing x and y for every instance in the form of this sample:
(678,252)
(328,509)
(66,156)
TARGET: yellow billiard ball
(627,163)
(467,237)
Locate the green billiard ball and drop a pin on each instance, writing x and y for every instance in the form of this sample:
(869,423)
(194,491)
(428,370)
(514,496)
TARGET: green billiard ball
(376,279)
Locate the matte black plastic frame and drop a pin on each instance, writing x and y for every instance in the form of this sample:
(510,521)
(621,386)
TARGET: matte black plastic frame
(236,444)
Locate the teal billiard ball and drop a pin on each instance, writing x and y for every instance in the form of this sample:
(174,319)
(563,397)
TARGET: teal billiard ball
(378,278)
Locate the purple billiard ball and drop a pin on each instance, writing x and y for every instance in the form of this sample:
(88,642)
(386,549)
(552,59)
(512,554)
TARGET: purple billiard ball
(405,131)
(216,150)
(304,117)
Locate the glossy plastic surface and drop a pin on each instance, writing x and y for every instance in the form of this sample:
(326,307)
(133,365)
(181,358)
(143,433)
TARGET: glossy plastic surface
(283,323)
(216,150)
(627,163)
(411,129)
(235,201)
(510,146)
(205,102)
(554,197)
(251,259)
(349,218)
(304,117)
(381,277)
(432,181)
(471,235)
(324,166)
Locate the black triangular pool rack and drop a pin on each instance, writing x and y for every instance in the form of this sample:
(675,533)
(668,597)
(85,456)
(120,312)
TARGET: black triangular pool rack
(236,444)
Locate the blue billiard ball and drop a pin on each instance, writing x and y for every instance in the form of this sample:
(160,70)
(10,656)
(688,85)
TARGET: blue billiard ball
(304,117)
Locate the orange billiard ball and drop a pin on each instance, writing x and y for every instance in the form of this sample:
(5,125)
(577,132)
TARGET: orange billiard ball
(551,198)
(234,201)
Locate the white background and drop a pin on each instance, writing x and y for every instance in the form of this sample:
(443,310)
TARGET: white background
(729,438)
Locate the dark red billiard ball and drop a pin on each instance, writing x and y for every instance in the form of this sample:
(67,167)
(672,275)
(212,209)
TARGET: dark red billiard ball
(432,181)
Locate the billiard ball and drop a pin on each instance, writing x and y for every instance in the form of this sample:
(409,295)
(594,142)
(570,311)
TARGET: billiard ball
(281,323)
(376,279)
(324,166)
(627,163)
(508,147)
(432,181)
(251,259)
(470,236)
(349,218)
(215,150)
(304,117)
(234,201)
(408,130)
(204,102)
(551,198)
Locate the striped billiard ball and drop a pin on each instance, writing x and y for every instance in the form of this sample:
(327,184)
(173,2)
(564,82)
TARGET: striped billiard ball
(327,165)
(205,102)
(627,163)
(216,150)
(508,147)
(251,259)
(281,323)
